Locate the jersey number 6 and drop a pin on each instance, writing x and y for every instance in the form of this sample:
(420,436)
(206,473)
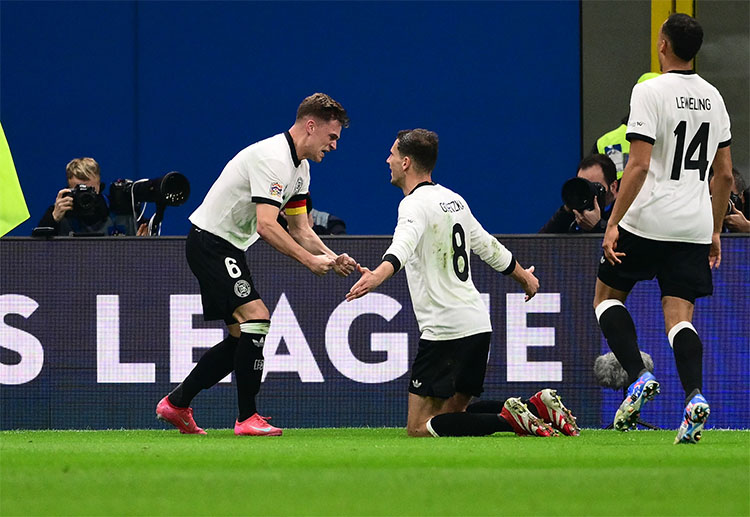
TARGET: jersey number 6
(232,268)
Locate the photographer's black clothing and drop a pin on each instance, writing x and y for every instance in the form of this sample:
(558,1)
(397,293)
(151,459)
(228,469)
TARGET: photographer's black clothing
(327,224)
(565,222)
(111,224)
(323,223)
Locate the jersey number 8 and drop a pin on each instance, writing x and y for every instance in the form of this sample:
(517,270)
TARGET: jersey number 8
(460,257)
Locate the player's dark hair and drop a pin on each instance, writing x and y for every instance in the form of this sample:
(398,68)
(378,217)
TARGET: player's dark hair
(685,34)
(323,107)
(420,145)
(605,162)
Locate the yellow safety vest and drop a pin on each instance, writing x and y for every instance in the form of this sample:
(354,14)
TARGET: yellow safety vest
(614,145)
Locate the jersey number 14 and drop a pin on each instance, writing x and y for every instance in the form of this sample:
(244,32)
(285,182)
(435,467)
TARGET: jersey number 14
(699,143)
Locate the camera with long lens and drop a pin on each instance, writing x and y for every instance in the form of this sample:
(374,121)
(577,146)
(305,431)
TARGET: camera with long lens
(579,193)
(126,197)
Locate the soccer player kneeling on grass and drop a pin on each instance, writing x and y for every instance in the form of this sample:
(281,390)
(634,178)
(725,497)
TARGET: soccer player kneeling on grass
(435,224)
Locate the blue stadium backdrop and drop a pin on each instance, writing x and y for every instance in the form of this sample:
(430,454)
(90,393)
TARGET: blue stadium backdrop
(150,87)
(94,331)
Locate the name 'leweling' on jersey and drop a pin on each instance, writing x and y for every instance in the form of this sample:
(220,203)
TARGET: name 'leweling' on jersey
(692,103)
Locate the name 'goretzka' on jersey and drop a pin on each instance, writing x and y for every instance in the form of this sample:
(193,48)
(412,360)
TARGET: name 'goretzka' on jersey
(264,172)
(432,240)
(685,119)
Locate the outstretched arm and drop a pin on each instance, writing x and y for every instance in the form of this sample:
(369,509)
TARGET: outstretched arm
(370,280)
(492,251)
(408,231)
(526,279)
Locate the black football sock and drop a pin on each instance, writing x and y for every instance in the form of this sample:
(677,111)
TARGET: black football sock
(495,406)
(688,355)
(485,406)
(248,365)
(214,365)
(468,424)
(619,330)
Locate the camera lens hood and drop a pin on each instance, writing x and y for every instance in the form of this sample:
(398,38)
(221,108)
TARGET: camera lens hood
(577,194)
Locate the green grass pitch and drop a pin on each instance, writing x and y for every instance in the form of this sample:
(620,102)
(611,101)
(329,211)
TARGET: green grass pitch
(371,472)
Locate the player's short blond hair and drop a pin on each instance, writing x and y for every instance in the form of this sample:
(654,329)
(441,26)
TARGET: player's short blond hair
(82,169)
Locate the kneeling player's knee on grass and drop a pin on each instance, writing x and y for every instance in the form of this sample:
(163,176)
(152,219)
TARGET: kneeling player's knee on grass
(417,430)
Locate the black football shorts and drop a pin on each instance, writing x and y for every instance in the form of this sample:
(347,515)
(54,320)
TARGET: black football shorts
(681,268)
(222,273)
(444,368)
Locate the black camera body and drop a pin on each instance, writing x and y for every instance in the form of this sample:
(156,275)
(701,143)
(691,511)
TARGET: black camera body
(85,200)
(121,201)
(579,193)
(735,201)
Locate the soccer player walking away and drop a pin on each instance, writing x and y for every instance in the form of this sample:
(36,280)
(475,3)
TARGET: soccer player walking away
(665,223)
(433,237)
(242,205)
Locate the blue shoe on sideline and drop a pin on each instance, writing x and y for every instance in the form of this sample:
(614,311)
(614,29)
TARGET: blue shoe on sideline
(696,414)
(640,392)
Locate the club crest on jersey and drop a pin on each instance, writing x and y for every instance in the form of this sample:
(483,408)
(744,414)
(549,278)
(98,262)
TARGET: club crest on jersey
(298,185)
(276,189)
(242,288)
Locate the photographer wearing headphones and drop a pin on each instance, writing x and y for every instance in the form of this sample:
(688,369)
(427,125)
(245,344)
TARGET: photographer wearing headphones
(81,209)
(588,198)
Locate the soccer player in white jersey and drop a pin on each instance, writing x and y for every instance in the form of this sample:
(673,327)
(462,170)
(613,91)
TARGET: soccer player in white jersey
(664,223)
(434,236)
(242,205)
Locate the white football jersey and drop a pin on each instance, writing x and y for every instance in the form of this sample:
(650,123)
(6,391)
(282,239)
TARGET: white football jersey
(433,238)
(685,119)
(268,172)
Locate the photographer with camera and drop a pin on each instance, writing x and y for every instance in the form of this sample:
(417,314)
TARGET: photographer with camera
(81,209)
(587,198)
(737,218)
